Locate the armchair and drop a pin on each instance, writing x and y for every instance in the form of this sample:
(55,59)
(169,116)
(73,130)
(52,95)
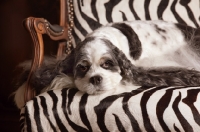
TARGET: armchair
(66,31)
(79,111)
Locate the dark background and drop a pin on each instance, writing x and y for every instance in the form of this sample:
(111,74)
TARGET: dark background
(16,47)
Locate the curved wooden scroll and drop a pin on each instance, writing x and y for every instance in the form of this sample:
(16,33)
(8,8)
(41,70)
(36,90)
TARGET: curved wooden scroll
(37,27)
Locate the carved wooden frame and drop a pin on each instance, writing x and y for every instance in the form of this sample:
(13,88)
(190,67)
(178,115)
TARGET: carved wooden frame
(39,26)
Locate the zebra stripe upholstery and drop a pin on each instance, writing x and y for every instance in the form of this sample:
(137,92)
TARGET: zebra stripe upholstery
(144,109)
(92,14)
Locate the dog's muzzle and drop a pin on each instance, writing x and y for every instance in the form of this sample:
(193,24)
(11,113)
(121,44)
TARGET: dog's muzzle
(96,80)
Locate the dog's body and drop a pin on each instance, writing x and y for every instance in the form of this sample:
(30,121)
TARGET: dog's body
(154,43)
(150,53)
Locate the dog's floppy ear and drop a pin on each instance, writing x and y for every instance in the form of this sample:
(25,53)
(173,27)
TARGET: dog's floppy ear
(126,67)
(44,75)
(131,73)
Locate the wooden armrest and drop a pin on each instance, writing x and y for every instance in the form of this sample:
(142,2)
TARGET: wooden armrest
(37,27)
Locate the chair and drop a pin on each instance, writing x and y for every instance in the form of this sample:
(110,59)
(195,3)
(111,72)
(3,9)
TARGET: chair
(39,26)
(73,28)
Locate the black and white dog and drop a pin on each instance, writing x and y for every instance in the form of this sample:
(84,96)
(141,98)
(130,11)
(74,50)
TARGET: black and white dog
(147,53)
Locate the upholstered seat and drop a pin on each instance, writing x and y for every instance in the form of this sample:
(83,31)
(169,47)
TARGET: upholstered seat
(143,109)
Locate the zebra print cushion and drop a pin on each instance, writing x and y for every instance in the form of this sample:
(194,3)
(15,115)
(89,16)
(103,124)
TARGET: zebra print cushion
(91,14)
(144,109)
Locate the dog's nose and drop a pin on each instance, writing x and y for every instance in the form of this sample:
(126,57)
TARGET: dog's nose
(96,80)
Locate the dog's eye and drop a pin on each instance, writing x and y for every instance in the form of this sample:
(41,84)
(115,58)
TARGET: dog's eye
(82,68)
(107,64)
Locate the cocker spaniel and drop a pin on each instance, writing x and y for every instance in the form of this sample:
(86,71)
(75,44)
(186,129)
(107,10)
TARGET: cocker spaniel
(146,53)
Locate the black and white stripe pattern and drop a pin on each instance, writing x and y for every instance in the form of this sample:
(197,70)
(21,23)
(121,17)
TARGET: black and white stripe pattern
(91,14)
(144,109)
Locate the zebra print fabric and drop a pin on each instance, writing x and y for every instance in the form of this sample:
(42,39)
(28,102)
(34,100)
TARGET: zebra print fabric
(144,109)
(91,14)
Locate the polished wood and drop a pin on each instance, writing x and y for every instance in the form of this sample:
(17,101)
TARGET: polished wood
(37,57)
(37,27)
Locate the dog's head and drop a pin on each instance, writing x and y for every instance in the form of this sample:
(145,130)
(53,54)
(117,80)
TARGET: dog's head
(98,65)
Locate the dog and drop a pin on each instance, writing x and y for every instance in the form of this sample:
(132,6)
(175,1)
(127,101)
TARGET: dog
(145,53)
